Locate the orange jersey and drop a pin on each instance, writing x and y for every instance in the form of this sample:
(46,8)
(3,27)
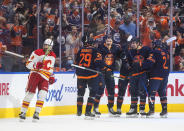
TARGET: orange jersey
(1,48)
(143,3)
(180,41)
(145,34)
(164,21)
(6,2)
(86,13)
(48,63)
(156,9)
(19,30)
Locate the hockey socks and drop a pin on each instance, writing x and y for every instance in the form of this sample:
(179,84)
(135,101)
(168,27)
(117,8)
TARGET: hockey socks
(97,101)
(110,101)
(89,104)
(79,105)
(88,114)
(151,107)
(25,104)
(142,104)
(39,105)
(163,101)
(119,102)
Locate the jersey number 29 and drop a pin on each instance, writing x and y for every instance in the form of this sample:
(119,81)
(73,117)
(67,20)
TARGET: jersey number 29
(85,59)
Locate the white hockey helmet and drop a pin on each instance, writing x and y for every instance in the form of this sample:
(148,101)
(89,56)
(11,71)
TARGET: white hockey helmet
(48,42)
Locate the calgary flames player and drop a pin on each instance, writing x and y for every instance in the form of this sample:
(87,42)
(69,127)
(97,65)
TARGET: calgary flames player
(41,64)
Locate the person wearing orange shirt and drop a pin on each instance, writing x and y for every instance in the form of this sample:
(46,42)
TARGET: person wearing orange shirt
(17,32)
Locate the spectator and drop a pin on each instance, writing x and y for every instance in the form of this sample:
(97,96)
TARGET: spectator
(66,64)
(128,26)
(179,61)
(74,18)
(17,32)
(4,32)
(46,32)
(72,42)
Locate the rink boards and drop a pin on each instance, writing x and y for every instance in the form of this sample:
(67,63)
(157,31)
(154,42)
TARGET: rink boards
(61,97)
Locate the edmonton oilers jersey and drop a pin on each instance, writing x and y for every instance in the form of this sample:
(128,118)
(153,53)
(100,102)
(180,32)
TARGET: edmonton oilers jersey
(140,55)
(88,57)
(157,64)
(109,56)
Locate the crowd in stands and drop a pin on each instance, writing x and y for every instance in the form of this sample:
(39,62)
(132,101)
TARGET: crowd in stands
(18,26)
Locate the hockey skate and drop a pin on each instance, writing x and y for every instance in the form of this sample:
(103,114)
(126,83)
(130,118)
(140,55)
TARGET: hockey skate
(112,113)
(163,114)
(22,117)
(79,113)
(142,113)
(89,116)
(150,114)
(35,117)
(132,113)
(96,112)
(118,113)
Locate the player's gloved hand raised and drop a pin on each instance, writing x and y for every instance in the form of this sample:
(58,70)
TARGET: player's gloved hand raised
(52,80)
(39,65)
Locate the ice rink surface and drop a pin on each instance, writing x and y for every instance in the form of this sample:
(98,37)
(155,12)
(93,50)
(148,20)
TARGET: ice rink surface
(174,122)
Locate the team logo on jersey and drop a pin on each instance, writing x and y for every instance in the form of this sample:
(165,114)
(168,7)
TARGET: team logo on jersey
(138,58)
(109,59)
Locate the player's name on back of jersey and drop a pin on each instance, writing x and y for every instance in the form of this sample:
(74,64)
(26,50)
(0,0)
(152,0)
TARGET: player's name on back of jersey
(86,50)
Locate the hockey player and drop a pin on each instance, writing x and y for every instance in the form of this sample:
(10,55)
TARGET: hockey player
(122,83)
(87,57)
(124,71)
(41,64)
(138,77)
(163,87)
(109,53)
(158,65)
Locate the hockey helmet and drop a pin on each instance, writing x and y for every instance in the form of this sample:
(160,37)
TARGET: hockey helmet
(87,40)
(134,39)
(157,44)
(49,42)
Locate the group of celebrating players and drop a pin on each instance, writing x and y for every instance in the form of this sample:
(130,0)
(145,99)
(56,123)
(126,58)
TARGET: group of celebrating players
(146,69)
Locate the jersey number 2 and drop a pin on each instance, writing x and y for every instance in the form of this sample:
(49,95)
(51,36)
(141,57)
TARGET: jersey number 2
(165,61)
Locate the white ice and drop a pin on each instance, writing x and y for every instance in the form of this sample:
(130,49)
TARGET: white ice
(174,122)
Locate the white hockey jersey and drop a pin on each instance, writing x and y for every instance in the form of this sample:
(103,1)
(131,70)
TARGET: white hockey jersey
(48,63)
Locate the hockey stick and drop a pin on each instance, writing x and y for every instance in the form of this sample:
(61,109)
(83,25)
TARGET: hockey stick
(149,98)
(84,68)
(13,54)
(129,38)
(171,39)
(47,52)
(118,77)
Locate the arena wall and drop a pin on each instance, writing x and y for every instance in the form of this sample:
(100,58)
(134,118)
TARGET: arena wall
(61,97)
